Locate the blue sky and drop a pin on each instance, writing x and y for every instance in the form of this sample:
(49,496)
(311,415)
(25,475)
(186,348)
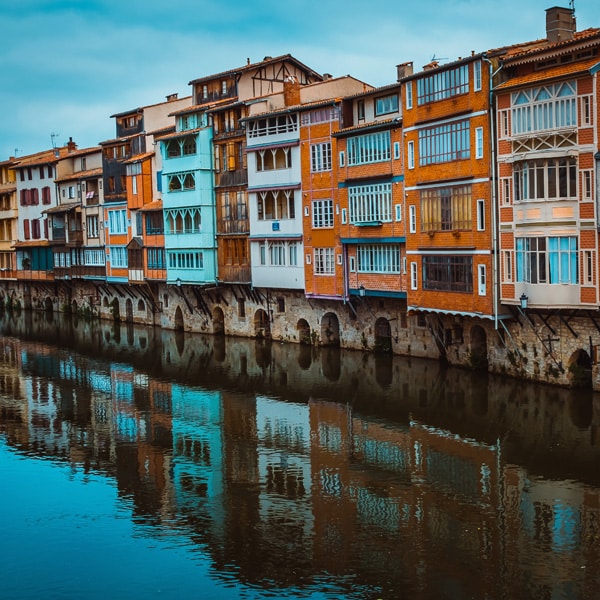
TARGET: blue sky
(67,65)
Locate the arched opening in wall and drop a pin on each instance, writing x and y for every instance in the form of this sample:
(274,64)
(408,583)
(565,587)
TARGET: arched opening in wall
(116,311)
(105,302)
(48,306)
(178,319)
(303,329)
(262,353)
(129,311)
(383,336)
(262,326)
(304,356)
(141,305)
(218,318)
(479,352)
(580,370)
(330,330)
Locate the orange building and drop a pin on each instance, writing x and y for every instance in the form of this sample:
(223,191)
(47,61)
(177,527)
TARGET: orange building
(370,171)
(547,122)
(449,197)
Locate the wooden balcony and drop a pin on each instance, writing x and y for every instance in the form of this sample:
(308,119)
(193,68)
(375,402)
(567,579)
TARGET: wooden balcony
(234,273)
(31,275)
(8,274)
(231,178)
(233,226)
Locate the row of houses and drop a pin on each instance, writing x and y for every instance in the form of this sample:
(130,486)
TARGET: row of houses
(452,213)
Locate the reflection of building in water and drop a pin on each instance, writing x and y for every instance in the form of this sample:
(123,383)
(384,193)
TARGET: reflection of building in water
(14,414)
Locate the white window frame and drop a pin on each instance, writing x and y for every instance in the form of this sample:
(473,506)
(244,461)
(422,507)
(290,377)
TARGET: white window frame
(324,261)
(409,95)
(478,142)
(398,211)
(410,154)
(322,213)
(480,215)
(481,280)
(412,218)
(413,276)
(477,82)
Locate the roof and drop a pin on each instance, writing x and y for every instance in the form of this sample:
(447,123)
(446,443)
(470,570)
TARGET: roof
(121,139)
(570,69)
(204,106)
(374,91)
(41,158)
(384,124)
(61,208)
(251,66)
(178,134)
(434,66)
(31,244)
(288,109)
(528,52)
(80,175)
(152,206)
(138,158)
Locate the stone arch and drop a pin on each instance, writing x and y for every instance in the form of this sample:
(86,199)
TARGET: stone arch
(128,310)
(178,319)
(479,351)
(105,302)
(262,326)
(48,306)
(303,329)
(580,370)
(331,364)
(116,310)
(383,335)
(330,330)
(141,305)
(74,306)
(218,317)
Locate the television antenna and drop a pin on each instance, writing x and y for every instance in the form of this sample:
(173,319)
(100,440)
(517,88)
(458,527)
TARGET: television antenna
(53,137)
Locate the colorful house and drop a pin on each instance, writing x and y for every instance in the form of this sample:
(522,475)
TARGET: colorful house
(450,242)
(8,219)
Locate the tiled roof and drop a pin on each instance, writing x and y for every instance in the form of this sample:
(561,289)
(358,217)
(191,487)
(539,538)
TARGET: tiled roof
(204,106)
(249,66)
(560,71)
(154,205)
(41,158)
(121,139)
(80,175)
(371,125)
(161,131)
(177,134)
(138,158)
(31,244)
(287,109)
(61,208)
(525,52)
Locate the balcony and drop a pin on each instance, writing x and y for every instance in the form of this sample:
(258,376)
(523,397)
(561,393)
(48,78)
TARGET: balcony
(233,226)
(234,273)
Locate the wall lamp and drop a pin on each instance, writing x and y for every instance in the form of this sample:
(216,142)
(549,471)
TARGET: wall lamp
(523,299)
(361,291)
(178,282)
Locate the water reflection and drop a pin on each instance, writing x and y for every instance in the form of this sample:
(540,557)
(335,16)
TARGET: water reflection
(296,468)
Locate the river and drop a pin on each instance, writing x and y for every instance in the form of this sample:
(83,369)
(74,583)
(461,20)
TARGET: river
(142,463)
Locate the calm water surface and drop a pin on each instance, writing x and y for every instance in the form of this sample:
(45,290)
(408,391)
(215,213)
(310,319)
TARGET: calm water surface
(141,463)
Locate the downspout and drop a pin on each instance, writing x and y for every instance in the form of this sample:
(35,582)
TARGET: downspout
(495,257)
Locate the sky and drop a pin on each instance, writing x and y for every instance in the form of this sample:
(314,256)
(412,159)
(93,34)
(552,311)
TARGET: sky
(66,66)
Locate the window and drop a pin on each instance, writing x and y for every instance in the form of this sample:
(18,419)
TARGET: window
(277,254)
(378,258)
(46,195)
(275,125)
(398,208)
(507,262)
(369,148)
(275,205)
(342,159)
(588,267)
(544,108)
(360,110)
(550,260)
(178,182)
(586,188)
(370,203)
(156,258)
(71,191)
(185,260)
(241,308)
(154,223)
(293,252)
(409,95)
(480,215)
(386,104)
(481,280)
(344,216)
(545,179)
(182,220)
(410,150)
(444,143)
(271,159)
(322,213)
(443,84)
(479,142)
(117,221)
(448,273)
(446,209)
(324,261)
(413,276)
(94,257)
(118,257)
(92,226)
(396,150)
(35,229)
(184,146)
(586,111)
(477,76)
(412,218)
(321,115)
(320,157)
(224,87)
(505,190)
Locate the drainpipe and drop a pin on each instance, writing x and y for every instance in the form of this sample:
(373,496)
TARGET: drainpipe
(495,256)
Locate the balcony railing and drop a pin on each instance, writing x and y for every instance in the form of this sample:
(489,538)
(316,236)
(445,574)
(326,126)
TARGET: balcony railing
(234,273)
(233,226)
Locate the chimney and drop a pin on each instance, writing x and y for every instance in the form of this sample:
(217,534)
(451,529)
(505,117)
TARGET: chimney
(291,91)
(172,97)
(432,65)
(560,24)
(404,70)
(71,145)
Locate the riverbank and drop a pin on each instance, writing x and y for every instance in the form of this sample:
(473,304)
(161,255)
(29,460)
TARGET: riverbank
(548,347)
